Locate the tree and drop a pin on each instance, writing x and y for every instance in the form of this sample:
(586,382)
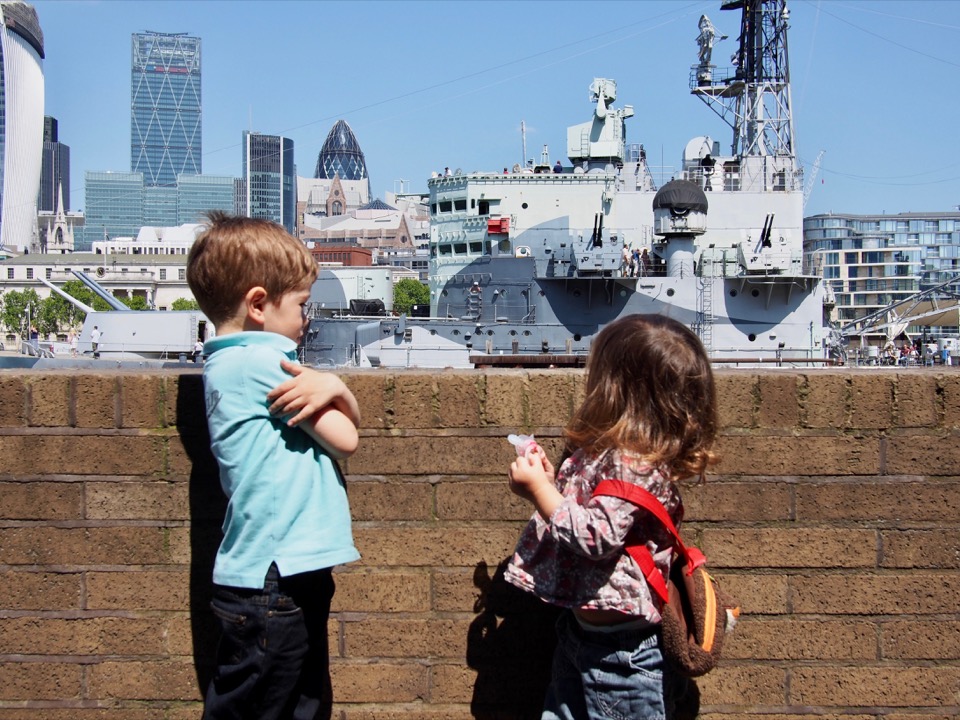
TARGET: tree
(66,315)
(57,313)
(50,317)
(88,297)
(184,304)
(15,306)
(409,292)
(137,302)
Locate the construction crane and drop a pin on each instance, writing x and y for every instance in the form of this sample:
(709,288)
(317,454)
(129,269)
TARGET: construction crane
(808,186)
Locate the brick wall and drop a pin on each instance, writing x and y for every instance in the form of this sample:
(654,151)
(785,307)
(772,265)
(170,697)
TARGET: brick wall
(834,517)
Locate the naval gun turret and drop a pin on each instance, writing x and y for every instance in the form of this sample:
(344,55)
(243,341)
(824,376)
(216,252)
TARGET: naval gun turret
(680,216)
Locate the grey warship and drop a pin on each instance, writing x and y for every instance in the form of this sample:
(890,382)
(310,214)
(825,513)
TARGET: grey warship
(527,266)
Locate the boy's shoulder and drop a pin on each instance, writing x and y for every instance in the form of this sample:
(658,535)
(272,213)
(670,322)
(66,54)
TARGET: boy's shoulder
(248,354)
(250,343)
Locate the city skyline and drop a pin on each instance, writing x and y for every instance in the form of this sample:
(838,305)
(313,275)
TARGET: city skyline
(429,85)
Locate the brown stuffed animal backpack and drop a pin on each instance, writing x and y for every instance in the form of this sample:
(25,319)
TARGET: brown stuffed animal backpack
(696,613)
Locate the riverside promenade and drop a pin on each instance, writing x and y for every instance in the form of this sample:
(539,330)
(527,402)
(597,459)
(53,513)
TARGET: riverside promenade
(834,518)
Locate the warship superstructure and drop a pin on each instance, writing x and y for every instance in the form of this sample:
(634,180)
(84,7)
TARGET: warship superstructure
(526,266)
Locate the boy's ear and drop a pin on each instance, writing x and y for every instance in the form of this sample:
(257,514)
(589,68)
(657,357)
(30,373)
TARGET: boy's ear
(253,302)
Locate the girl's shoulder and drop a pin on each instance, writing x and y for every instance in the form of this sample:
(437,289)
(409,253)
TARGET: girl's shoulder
(617,464)
(637,470)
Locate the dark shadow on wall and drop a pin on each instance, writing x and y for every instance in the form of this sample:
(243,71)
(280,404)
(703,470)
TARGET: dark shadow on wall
(510,645)
(207,508)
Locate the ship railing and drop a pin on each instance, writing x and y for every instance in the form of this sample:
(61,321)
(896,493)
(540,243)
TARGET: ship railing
(654,270)
(31,350)
(746,177)
(715,80)
(158,352)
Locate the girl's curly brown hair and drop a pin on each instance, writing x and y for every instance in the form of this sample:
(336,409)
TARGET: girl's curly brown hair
(649,391)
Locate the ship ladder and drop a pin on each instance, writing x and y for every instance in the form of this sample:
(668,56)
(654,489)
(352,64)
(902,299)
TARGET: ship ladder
(474,306)
(705,316)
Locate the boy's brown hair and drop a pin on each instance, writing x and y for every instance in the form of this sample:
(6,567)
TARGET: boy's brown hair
(234,254)
(649,391)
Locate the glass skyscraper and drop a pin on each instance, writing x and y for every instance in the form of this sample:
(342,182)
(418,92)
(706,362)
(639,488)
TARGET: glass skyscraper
(165,108)
(113,207)
(21,121)
(197,194)
(269,183)
(118,204)
(55,173)
(341,155)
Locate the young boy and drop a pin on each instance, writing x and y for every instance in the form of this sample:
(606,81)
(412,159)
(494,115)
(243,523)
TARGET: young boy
(275,429)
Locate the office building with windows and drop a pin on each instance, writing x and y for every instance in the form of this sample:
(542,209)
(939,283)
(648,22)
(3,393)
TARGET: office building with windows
(268,187)
(113,206)
(55,170)
(119,204)
(165,109)
(198,194)
(21,122)
(872,261)
(159,205)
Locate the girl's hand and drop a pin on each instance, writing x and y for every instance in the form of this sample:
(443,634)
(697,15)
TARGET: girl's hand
(526,473)
(547,465)
(532,478)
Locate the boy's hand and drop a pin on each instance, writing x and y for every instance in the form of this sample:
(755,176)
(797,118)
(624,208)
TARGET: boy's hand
(310,391)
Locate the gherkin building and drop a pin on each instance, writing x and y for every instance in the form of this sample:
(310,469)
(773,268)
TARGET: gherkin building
(341,155)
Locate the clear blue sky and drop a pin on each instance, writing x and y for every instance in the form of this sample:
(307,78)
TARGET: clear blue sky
(431,84)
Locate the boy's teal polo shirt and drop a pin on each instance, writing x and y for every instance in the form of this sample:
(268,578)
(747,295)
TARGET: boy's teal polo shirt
(287,500)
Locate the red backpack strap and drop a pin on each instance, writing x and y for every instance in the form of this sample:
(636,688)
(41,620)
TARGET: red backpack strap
(638,551)
(641,498)
(642,557)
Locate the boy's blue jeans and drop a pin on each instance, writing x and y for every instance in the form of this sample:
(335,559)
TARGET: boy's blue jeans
(273,659)
(607,675)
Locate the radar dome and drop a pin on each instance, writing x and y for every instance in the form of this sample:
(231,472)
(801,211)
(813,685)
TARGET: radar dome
(681,197)
(679,210)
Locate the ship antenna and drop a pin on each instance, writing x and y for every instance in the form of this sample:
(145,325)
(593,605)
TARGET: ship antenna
(523,139)
(753,96)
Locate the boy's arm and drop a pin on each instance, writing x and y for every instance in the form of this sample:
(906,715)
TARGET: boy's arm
(309,391)
(333,431)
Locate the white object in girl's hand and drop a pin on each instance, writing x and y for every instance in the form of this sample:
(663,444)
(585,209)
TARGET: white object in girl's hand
(523,443)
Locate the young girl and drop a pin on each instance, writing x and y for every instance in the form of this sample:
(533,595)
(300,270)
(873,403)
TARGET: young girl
(648,418)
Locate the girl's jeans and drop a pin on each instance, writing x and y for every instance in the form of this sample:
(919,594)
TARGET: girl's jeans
(606,675)
(273,660)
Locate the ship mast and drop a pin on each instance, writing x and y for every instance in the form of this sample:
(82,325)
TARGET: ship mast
(753,96)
